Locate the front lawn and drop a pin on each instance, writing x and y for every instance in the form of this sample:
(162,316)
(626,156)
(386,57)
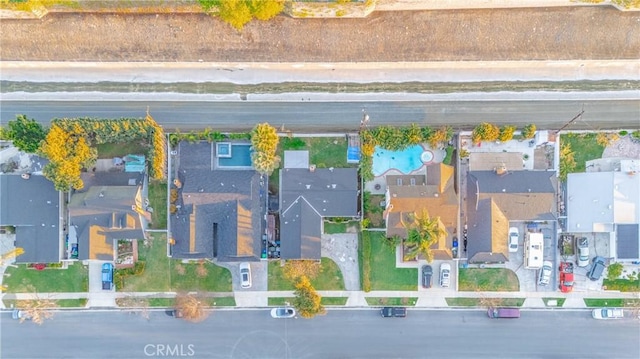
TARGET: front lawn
(487,280)
(110,150)
(164,274)
(333,300)
(381,263)
(611,302)
(584,146)
(21,279)
(158,201)
(559,302)
(381,301)
(623,285)
(329,278)
(279,301)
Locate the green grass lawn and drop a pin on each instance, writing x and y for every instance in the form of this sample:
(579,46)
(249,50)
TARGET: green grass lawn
(406,301)
(110,150)
(164,274)
(384,275)
(334,300)
(480,302)
(72,303)
(279,301)
(329,278)
(372,209)
(560,301)
(623,285)
(21,279)
(158,201)
(611,302)
(346,227)
(487,279)
(584,147)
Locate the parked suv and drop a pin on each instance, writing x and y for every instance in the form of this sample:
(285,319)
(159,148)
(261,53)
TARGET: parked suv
(427,273)
(596,268)
(582,252)
(545,273)
(107,276)
(389,312)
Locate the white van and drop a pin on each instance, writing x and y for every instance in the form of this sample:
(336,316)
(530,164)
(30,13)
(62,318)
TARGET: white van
(533,251)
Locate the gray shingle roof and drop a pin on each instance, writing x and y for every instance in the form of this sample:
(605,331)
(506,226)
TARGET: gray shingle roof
(33,207)
(307,196)
(628,241)
(516,181)
(223,207)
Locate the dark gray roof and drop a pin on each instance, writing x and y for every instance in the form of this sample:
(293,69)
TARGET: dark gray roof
(628,241)
(307,196)
(33,207)
(91,179)
(480,235)
(224,205)
(515,182)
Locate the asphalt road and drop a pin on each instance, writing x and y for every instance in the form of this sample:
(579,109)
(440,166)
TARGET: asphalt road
(339,334)
(342,116)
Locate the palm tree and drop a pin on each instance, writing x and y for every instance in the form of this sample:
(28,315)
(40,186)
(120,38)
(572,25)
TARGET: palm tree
(422,233)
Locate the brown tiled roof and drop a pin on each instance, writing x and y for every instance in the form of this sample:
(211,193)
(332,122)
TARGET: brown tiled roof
(524,206)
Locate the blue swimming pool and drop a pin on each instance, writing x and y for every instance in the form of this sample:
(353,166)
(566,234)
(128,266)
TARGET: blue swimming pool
(239,157)
(405,161)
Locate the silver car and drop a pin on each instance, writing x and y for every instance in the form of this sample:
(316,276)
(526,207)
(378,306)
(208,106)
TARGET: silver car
(245,275)
(545,273)
(582,252)
(513,239)
(445,274)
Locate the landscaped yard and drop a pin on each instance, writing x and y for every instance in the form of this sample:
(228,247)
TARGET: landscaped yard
(487,279)
(158,201)
(378,301)
(164,274)
(584,146)
(484,302)
(373,210)
(344,227)
(21,279)
(623,285)
(110,150)
(329,278)
(383,274)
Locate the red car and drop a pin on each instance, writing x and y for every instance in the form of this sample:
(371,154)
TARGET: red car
(566,277)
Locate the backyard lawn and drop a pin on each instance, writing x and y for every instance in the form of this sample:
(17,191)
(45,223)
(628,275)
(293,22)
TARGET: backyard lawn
(164,274)
(110,150)
(345,227)
(373,210)
(158,201)
(584,147)
(487,279)
(329,278)
(21,279)
(383,273)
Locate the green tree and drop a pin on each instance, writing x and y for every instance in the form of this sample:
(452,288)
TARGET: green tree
(266,9)
(235,13)
(614,271)
(529,131)
(307,301)
(422,233)
(26,134)
(506,133)
(567,161)
(485,132)
(264,140)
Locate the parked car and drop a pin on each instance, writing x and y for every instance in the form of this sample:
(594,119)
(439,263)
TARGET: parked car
(582,252)
(283,313)
(397,312)
(445,273)
(427,273)
(545,273)
(176,313)
(566,277)
(495,313)
(607,313)
(513,239)
(107,276)
(20,315)
(596,268)
(245,275)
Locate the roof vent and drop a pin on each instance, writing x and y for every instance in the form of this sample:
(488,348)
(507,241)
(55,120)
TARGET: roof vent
(25,176)
(101,194)
(312,168)
(331,169)
(504,190)
(500,170)
(334,186)
(308,186)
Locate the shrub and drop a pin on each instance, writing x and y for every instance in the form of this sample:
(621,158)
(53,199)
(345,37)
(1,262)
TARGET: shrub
(506,133)
(636,134)
(173,196)
(623,133)
(529,131)
(614,271)
(485,132)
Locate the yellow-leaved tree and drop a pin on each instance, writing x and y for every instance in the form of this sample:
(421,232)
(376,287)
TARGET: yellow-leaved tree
(307,301)
(264,140)
(68,152)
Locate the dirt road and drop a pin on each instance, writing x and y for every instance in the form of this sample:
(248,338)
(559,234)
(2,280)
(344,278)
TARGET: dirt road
(495,34)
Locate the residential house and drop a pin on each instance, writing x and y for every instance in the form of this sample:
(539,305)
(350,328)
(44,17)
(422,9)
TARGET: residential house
(307,196)
(496,197)
(433,192)
(220,210)
(607,202)
(31,204)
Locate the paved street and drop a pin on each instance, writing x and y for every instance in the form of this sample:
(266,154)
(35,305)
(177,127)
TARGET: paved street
(311,116)
(339,334)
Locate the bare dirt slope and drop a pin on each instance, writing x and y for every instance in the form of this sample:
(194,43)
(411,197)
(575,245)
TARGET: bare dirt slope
(494,34)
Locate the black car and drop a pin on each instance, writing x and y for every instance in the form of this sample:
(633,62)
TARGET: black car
(427,273)
(596,268)
(389,312)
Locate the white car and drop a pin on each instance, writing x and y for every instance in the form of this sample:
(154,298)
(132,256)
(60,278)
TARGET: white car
(582,252)
(445,273)
(513,239)
(245,275)
(545,273)
(607,313)
(283,313)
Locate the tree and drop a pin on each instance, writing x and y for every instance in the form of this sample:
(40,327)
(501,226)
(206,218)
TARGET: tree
(68,152)
(440,136)
(422,233)
(485,132)
(266,9)
(529,131)
(567,161)
(506,133)
(614,271)
(191,307)
(37,309)
(26,134)
(235,13)
(264,139)
(307,301)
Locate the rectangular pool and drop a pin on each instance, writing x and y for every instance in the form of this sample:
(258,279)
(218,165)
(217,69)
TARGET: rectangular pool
(238,157)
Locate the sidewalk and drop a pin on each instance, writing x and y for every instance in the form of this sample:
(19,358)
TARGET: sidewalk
(356,299)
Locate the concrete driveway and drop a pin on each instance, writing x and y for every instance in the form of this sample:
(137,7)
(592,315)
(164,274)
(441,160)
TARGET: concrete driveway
(99,297)
(343,249)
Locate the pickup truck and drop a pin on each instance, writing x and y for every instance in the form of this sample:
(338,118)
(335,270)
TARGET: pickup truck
(389,312)
(107,276)
(566,277)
